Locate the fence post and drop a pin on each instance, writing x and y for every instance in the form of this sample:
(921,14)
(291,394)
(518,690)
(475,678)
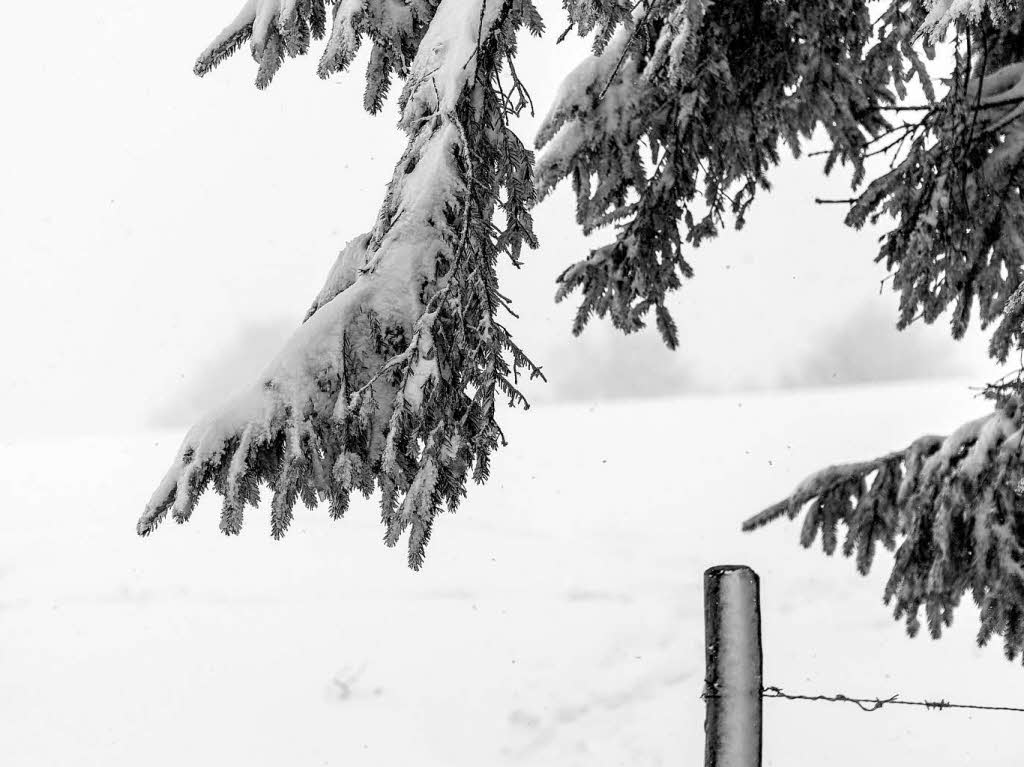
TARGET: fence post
(732,682)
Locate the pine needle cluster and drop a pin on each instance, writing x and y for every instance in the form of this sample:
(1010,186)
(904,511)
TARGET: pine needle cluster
(668,134)
(955,193)
(949,507)
(392,382)
(671,131)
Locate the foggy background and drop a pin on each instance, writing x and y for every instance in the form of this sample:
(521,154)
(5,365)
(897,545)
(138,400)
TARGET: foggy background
(161,236)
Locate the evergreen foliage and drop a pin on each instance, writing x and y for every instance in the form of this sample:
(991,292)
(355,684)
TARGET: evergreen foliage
(672,129)
(668,132)
(955,194)
(950,509)
(393,379)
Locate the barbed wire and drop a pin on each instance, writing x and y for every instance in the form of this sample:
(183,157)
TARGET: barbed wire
(874,704)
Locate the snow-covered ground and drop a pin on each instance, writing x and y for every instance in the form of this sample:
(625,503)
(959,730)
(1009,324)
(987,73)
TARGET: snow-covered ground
(558,620)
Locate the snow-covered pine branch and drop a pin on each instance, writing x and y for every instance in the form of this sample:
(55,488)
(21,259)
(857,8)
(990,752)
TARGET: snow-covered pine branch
(391,381)
(669,131)
(952,504)
(279,28)
(943,13)
(673,127)
(957,240)
(949,507)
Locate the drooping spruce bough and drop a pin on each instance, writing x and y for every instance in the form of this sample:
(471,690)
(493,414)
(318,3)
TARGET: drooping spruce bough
(668,132)
(392,379)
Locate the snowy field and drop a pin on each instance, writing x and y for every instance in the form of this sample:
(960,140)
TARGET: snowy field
(558,620)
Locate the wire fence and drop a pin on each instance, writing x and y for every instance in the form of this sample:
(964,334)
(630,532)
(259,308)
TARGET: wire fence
(874,704)
(733,687)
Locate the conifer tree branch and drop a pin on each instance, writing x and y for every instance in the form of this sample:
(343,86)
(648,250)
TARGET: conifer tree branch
(948,507)
(278,29)
(390,383)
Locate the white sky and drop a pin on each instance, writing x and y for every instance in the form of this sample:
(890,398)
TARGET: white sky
(160,234)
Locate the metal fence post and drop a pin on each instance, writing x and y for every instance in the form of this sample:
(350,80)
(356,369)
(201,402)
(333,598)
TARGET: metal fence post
(732,682)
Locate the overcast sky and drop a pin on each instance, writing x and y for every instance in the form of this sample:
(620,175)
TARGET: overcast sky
(160,235)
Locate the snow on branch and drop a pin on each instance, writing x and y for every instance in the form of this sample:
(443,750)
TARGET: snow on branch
(950,507)
(670,131)
(391,381)
(280,28)
(943,13)
(598,17)
(952,199)
(602,113)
